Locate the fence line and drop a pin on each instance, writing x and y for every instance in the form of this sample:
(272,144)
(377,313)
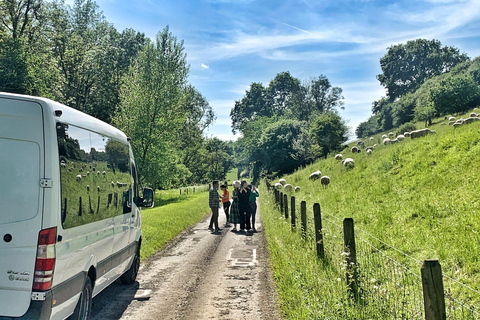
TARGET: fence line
(386,285)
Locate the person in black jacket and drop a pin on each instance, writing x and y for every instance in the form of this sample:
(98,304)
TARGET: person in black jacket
(244,206)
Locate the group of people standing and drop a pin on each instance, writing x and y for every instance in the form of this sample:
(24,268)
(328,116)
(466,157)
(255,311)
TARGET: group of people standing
(241,210)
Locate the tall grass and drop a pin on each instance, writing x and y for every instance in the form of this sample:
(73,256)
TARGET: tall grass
(419,196)
(172,214)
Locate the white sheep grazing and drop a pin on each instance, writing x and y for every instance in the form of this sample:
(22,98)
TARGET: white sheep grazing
(391,134)
(349,163)
(451,119)
(369,151)
(401,137)
(458,123)
(78,177)
(387,141)
(88,187)
(394,141)
(278,186)
(282,181)
(88,173)
(315,175)
(407,134)
(384,136)
(113,184)
(98,173)
(98,188)
(338,157)
(297,188)
(288,187)
(451,122)
(325,180)
(104,173)
(354,149)
(472,115)
(371,138)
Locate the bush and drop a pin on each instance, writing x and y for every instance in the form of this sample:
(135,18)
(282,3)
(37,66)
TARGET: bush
(406,127)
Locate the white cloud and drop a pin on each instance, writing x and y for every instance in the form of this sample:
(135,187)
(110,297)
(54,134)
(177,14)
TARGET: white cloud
(204,66)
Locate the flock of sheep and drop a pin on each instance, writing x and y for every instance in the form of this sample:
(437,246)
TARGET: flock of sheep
(282,183)
(472,117)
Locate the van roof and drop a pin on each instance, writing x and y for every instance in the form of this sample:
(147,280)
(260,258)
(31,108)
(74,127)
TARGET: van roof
(71,116)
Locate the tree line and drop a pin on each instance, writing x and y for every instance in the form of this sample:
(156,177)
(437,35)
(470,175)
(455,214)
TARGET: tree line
(287,124)
(73,55)
(423,80)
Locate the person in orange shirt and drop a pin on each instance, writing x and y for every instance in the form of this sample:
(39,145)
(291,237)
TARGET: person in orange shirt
(226,202)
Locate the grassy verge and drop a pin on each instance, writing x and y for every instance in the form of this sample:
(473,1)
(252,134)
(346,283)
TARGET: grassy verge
(173,214)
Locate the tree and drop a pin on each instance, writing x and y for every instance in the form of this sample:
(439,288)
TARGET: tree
(455,94)
(151,110)
(368,128)
(284,145)
(282,93)
(328,131)
(406,67)
(254,104)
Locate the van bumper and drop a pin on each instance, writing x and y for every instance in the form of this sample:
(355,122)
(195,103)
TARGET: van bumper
(38,310)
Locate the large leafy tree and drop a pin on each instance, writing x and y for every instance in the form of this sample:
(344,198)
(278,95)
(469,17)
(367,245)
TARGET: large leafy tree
(253,105)
(328,131)
(405,67)
(151,111)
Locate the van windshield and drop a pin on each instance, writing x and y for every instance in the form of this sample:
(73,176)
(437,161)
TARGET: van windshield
(20,176)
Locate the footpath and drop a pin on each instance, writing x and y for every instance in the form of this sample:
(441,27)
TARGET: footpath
(199,275)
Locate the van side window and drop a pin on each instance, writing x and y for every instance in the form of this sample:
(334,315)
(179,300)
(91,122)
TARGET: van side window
(95,174)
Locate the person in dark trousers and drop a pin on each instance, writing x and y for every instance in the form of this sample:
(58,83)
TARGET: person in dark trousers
(244,206)
(234,214)
(253,205)
(226,202)
(214,203)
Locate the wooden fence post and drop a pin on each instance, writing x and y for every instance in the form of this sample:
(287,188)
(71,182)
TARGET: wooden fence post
(281,202)
(292,212)
(80,206)
(285,204)
(193,189)
(275,192)
(351,256)
(303,216)
(187,190)
(317,215)
(433,294)
(180,191)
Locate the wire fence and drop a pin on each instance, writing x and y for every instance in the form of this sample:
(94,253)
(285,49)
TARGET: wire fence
(387,282)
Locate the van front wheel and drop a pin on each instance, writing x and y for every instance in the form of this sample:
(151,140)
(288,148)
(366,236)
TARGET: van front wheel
(131,274)
(84,305)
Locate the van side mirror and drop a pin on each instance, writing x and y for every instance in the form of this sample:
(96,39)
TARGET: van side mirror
(147,198)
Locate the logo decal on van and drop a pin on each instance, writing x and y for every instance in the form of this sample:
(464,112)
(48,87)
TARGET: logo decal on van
(18,276)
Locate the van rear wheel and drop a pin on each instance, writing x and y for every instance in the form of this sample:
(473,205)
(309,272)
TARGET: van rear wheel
(131,274)
(84,305)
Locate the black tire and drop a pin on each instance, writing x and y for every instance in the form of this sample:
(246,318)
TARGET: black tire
(131,274)
(83,309)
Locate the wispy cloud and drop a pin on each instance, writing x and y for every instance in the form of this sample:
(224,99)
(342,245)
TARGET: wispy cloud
(204,66)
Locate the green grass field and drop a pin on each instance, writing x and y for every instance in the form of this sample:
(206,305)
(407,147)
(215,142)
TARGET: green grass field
(172,214)
(419,196)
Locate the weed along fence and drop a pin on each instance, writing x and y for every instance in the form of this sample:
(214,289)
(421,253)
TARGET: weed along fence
(379,283)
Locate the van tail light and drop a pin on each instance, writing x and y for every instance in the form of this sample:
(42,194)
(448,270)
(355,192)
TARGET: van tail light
(45,263)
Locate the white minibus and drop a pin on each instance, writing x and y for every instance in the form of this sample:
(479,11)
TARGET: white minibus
(70,209)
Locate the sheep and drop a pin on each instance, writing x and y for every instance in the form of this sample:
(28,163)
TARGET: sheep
(297,188)
(282,181)
(451,119)
(371,138)
(288,187)
(394,141)
(457,124)
(63,165)
(278,186)
(384,136)
(386,141)
(407,134)
(315,175)
(369,148)
(113,184)
(470,120)
(78,177)
(451,123)
(369,151)
(419,133)
(338,157)
(104,173)
(88,188)
(98,188)
(325,180)
(401,137)
(354,149)
(349,163)
(360,143)
(98,173)
(473,115)
(88,173)
(81,170)
(391,134)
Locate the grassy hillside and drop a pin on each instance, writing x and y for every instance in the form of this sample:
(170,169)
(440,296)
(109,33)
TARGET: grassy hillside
(419,196)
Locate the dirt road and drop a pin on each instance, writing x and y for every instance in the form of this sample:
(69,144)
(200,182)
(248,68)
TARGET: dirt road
(200,275)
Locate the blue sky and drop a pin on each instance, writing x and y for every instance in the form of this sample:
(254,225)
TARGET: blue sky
(232,43)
